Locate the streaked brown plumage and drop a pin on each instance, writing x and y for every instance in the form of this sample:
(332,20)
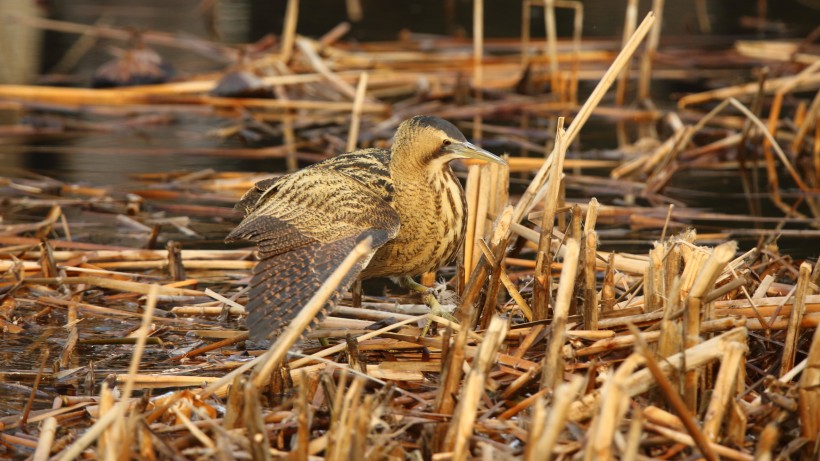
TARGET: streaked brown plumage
(305,223)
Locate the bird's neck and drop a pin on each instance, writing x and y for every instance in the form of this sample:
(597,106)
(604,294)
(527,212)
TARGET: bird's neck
(433,185)
(415,174)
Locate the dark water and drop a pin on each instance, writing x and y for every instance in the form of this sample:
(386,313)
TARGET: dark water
(240,21)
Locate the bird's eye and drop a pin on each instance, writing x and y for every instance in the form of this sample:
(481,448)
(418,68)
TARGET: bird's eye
(446,142)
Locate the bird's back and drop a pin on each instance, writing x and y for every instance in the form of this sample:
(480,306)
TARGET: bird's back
(369,167)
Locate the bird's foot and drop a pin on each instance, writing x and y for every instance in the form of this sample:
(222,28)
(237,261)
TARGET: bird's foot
(442,302)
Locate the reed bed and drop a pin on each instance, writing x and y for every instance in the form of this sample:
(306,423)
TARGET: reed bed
(122,312)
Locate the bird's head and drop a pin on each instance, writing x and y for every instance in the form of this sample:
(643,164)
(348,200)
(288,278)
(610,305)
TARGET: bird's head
(425,141)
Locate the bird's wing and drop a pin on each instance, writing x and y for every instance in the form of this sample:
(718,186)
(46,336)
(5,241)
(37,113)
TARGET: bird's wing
(305,228)
(262,188)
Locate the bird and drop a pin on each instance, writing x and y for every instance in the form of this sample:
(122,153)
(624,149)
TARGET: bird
(405,198)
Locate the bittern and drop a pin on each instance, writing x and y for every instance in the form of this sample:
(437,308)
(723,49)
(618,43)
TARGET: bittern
(406,199)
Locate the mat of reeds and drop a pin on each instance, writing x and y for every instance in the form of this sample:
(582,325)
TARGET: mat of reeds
(595,314)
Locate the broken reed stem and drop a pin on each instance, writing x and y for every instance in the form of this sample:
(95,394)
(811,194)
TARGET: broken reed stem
(71,326)
(461,427)
(816,159)
(289,135)
(254,424)
(577,34)
(702,14)
(809,392)
(632,264)
(526,15)
(516,295)
(591,301)
(107,442)
(319,65)
(478,65)
(614,403)
(213,346)
(553,360)
(103,97)
(670,340)
(276,354)
(553,186)
(542,290)
(196,432)
(343,429)
(495,259)
(654,279)
(702,285)
(335,34)
(552,43)
(795,318)
(630,21)
(142,335)
(811,114)
(46,440)
(342,346)
(767,442)
(645,77)
(633,437)
(482,207)
(590,313)
(300,453)
(454,349)
(749,176)
(721,256)
(591,218)
(552,423)
(356,116)
(683,439)
(501,187)
(179,381)
(100,257)
(472,197)
(119,285)
(673,397)
(27,409)
(538,422)
(770,86)
(93,433)
(289,31)
(724,390)
(205,47)
(354,10)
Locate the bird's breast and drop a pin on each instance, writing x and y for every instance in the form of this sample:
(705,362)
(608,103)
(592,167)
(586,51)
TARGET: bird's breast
(432,226)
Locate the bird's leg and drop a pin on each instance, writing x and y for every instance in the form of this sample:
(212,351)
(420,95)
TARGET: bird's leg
(429,297)
(406,281)
(356,292)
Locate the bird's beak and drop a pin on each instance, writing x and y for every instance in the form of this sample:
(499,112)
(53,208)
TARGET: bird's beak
(467,150)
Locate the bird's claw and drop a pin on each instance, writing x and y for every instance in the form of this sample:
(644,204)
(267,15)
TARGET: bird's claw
(432,298)
(441,301)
